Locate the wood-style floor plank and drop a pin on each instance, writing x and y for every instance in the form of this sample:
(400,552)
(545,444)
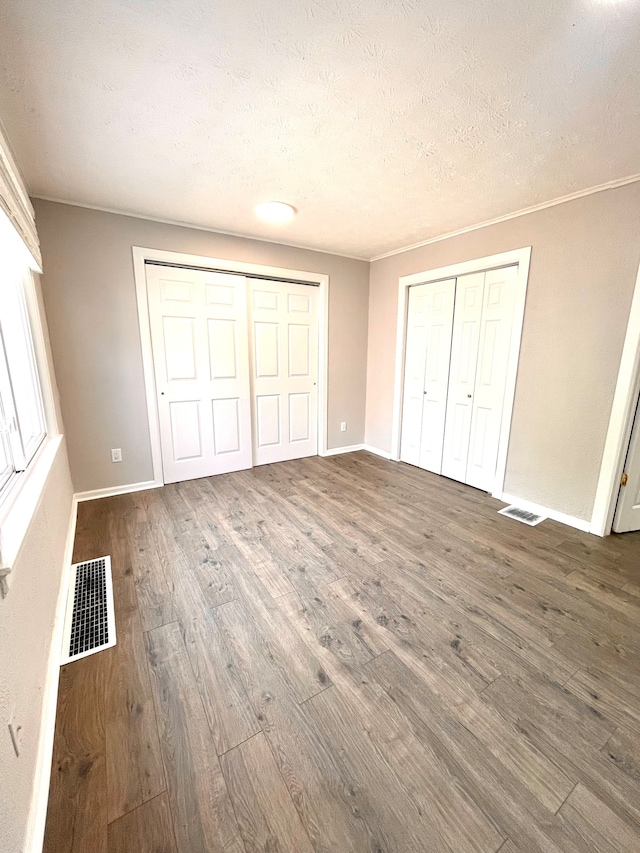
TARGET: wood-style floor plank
(265,812)
(154,595)
(203,817)
(349,654)
(77,811)
(598,829)
(134,762)
(229,713)
(623,748)
(147,829)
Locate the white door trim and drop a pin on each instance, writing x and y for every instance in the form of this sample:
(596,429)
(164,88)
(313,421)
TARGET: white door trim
(521,257)
(141,254)
(620,423)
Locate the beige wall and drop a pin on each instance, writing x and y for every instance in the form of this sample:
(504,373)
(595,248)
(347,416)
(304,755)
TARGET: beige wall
(26,627)
(583,269)
(90,299)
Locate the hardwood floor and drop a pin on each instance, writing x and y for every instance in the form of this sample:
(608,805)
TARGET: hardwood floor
(350,655)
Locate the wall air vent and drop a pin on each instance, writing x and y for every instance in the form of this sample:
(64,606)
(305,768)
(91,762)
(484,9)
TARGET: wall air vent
(90,620)
(523,515)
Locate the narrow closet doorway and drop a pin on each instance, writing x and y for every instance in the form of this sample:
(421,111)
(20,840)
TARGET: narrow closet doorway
(458,344)
(235,363)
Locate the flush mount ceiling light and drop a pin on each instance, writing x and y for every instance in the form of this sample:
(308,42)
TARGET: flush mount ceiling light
(275,211)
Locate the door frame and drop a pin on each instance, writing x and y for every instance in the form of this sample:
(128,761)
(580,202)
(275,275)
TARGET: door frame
(521,257)
(180,259)
(618,437)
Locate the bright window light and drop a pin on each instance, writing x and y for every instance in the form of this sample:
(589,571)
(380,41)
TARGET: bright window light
(22,417)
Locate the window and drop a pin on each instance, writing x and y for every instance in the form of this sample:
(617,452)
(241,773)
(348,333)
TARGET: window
(22,418)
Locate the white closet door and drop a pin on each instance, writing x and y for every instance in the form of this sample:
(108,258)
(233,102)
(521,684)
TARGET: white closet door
(415,361)
(627,515)
(429,328)
(462,374)
(284,355)
(491,376)
(436,374)
(200,350)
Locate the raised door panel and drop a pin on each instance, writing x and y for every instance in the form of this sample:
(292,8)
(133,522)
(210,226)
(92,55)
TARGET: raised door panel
(267,350)
(227,426)
(186,430)
(299,417)
(223,349)
(462,374)
(177,291)
(284,352)
(491,376)
(268,418)
(179,348)
(221,295)
(299,351)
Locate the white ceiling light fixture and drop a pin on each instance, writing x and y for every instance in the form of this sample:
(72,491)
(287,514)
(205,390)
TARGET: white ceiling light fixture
(275,211)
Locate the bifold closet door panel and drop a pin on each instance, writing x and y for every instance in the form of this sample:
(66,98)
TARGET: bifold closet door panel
(201,359)
(414,373)
(462,374)
(436,373)
(491,376)
(428,348)
(627,515)
(284,370)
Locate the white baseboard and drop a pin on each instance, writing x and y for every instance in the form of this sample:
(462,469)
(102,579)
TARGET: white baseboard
(377,451)
(569,520)
(352,448)
(116,490)
(40,795)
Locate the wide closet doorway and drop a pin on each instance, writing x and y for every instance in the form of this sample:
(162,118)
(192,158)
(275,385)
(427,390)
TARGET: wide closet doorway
(461,335)
(235,362)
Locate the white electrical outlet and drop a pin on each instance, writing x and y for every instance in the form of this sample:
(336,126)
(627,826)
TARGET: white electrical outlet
(116,454)
(343,426)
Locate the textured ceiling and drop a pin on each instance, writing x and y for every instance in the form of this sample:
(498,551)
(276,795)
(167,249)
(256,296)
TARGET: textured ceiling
(385,122)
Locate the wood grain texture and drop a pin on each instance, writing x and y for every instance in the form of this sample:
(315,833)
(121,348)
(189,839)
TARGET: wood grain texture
(134,762)
(77,812)
(349,654)
(154,595)
(229,713)
(265,812)
(510,745)
(598,829)
(202,813)
(147,829)
(623,749)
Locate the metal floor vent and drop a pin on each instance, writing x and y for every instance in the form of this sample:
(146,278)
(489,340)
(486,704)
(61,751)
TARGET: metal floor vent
(90,620)
(523,515)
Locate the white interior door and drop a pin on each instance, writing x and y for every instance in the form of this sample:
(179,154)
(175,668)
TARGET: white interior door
(462,374)
(627,515)
(284,376)
(491,376)
(198,325)
(415,362)
(429,330)
(436,374)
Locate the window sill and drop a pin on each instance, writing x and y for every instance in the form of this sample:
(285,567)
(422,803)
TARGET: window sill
(21,504)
